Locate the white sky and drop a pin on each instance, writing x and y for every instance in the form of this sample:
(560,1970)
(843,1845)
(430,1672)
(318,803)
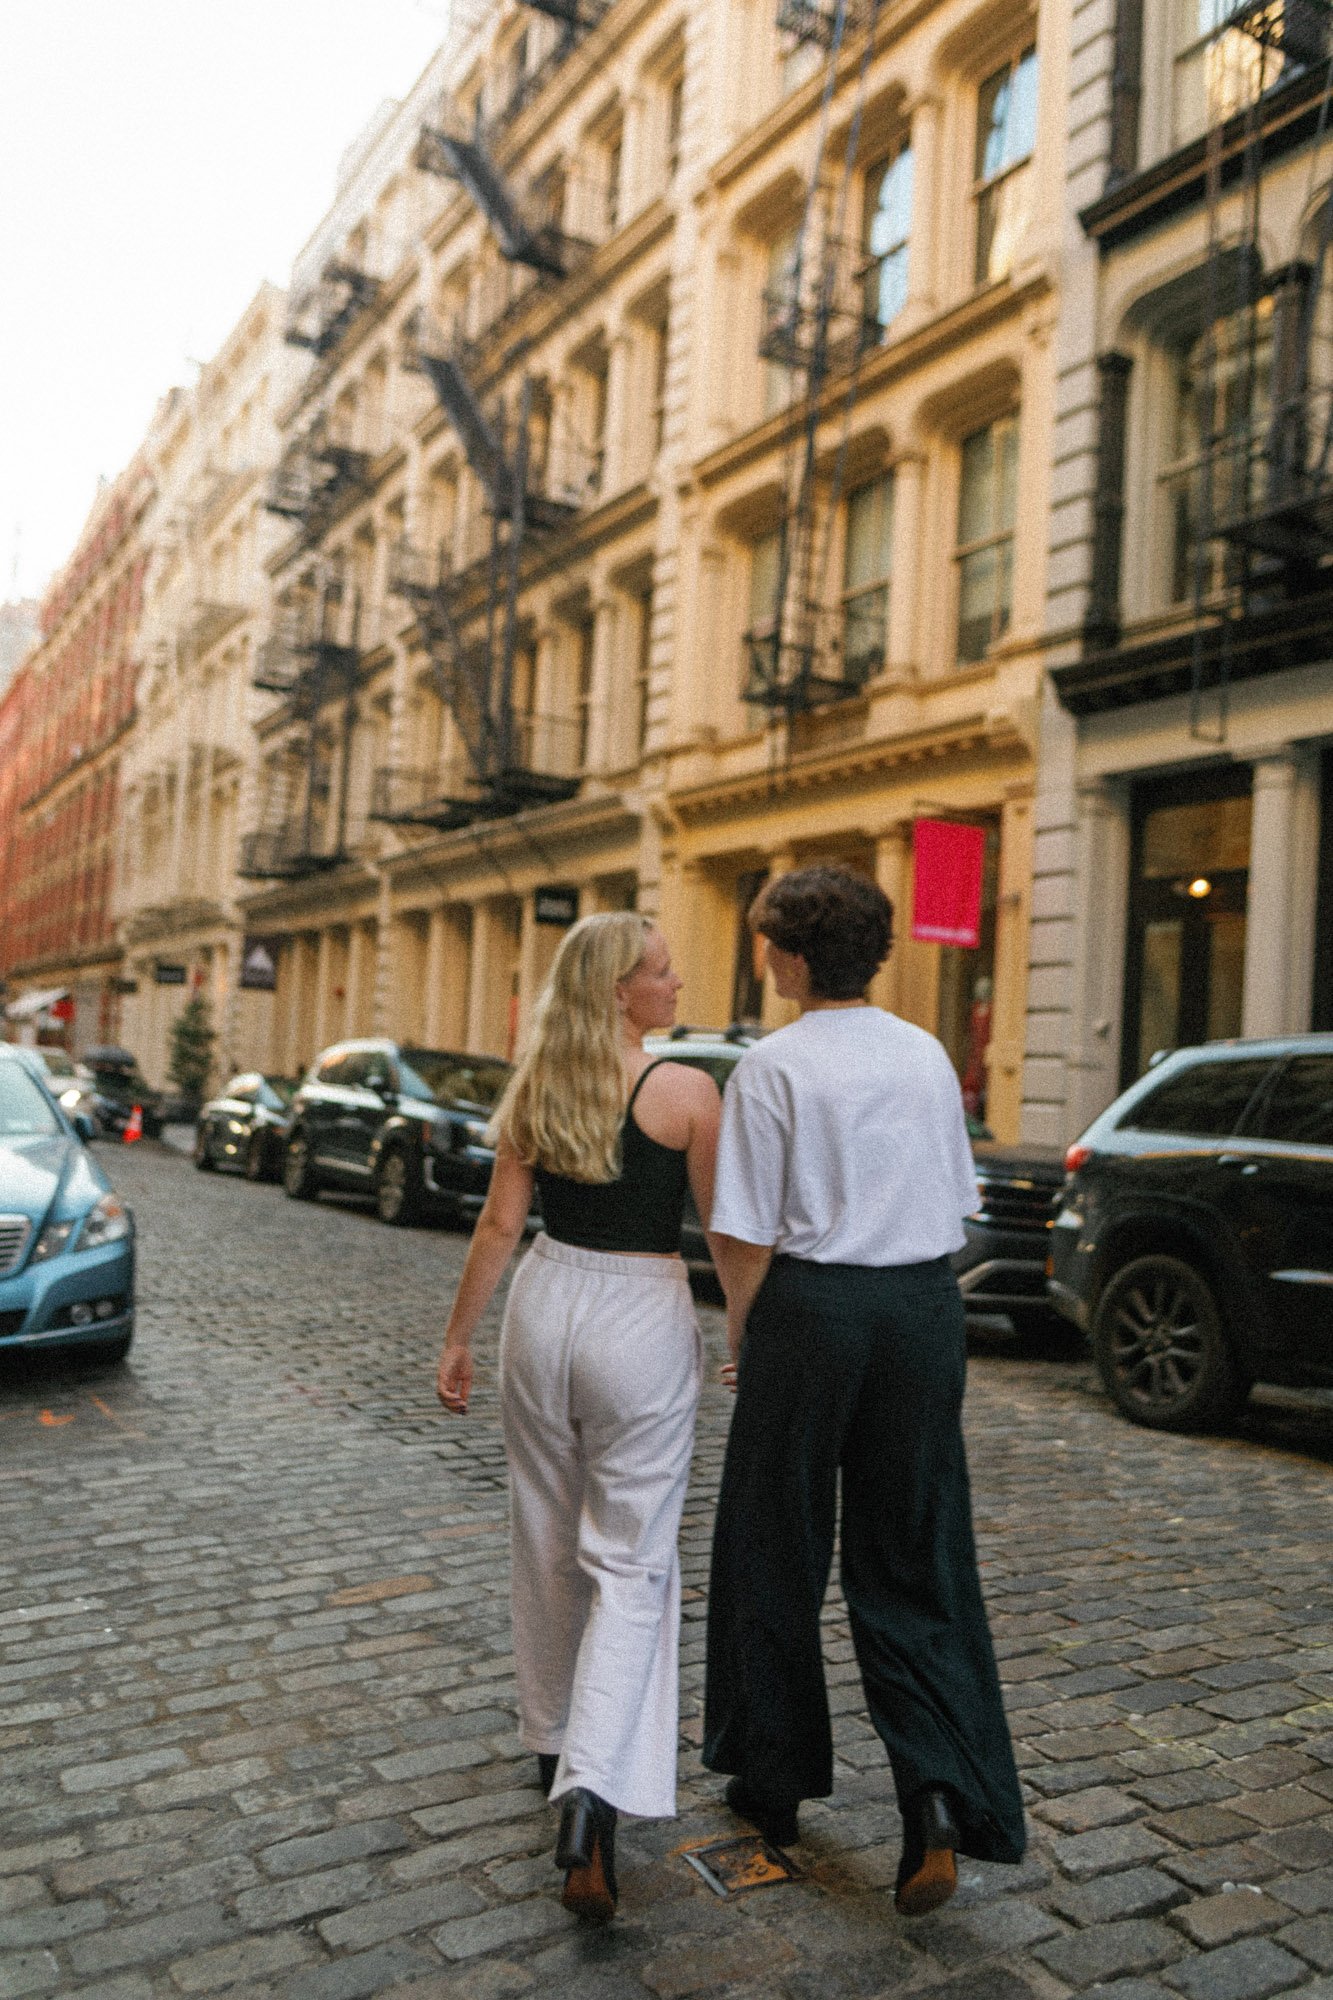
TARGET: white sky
(158,160)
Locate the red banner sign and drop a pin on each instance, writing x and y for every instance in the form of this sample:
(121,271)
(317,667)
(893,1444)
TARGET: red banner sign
(946,902)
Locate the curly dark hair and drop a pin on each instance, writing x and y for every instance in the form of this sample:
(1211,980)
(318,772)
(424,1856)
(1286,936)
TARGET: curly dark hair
(839,922)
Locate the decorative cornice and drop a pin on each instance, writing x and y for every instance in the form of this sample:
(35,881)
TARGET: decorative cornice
(850,765)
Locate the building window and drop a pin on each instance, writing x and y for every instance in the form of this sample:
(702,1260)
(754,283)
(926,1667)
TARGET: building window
(985,555)
(888,224)
(1216,70)
(643,670)
(866,568)
(780,308)
(614,152)
(675,121)
(1006,135)
(1219,419)
(587,631)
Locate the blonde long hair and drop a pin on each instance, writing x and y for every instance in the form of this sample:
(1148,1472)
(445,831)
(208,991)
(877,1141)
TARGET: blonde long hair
(565,1103)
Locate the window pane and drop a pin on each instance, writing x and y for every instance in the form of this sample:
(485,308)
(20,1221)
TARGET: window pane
(1226,974)
(887,287)
(765,555)
(889,206)
(1007,116)
(976,603)
(865,626)
(1300,1106)
(976,516)
(992,115)
(1006,497)
(1205,1101)
(869,534)
(1202,837)
(1003,214)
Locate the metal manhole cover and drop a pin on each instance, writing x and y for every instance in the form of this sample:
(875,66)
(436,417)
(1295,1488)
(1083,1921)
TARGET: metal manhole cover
(731,1867)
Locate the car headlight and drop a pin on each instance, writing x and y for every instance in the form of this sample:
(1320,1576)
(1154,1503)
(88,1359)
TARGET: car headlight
(52,1240)
(71,1097)
(106,1223)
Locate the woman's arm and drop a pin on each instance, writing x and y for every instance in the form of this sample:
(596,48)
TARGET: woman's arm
(499,1228)
(741,1269)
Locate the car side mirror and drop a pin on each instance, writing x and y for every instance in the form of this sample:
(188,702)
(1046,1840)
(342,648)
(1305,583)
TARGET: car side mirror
(84,1126)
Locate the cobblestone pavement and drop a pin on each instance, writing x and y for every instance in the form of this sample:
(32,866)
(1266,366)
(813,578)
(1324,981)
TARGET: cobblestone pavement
(256,1706)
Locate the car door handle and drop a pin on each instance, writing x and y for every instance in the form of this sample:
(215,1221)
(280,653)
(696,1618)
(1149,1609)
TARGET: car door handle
(1237,1160)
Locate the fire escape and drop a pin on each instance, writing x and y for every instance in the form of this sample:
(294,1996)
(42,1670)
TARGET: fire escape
(818,326)
(469,618)
(310,658)
(1261,503)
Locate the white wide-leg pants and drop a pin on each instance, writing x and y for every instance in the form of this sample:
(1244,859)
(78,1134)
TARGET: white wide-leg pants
(600,1369)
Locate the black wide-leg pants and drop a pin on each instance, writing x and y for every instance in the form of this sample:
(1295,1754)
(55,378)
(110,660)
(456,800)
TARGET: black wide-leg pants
(859,1370)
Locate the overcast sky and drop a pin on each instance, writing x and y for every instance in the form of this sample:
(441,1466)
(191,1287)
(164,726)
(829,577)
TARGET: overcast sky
(158,160)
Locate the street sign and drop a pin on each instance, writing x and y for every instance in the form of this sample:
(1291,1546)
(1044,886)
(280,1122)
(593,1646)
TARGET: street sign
(553,904)
(169,975)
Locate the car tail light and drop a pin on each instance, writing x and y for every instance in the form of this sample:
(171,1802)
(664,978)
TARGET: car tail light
(1077,1156)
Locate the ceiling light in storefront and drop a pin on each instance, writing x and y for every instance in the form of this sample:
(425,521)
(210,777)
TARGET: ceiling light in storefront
(1201,886)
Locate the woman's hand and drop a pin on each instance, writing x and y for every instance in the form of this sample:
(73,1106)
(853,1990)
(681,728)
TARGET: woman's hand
(453,1382)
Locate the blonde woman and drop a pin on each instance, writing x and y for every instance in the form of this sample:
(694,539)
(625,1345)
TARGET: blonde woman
(600,1364)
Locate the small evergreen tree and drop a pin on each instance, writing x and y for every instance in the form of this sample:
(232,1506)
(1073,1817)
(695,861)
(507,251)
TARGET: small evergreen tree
(192,1039)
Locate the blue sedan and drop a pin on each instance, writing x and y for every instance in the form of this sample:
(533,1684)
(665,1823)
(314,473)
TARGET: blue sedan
(66,1237)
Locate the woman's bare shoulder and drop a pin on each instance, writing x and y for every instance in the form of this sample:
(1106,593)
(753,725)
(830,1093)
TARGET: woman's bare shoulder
(685,1081)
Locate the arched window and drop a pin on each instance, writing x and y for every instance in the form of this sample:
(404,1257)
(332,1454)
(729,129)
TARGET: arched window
(888,227)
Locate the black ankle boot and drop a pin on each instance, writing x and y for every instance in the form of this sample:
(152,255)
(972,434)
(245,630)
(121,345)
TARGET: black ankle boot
(586,1849)
(774,1818)
(928,1872)
(546,1763)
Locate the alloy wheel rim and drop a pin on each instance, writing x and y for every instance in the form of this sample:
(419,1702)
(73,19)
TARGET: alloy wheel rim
(1158,1348)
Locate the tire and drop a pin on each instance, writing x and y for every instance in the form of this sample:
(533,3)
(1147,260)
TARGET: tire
(203,1159)
(1162,1350)
(256,1158)
(298,1175)
(399,1195)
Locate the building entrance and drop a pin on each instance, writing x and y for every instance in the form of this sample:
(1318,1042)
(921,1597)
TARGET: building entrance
(1185,962)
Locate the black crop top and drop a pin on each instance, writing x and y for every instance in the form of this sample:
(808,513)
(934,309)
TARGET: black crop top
(640,1210)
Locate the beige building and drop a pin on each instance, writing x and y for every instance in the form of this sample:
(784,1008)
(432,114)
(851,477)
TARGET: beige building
(584,600)
(191,755)
(1184,860)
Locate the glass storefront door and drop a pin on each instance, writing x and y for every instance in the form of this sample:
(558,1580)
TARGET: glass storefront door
(1185,963)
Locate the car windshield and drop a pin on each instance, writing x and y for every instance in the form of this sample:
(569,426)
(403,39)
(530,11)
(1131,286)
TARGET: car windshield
(452,1079)
(278,1091)
(57,1063)
(25,1112)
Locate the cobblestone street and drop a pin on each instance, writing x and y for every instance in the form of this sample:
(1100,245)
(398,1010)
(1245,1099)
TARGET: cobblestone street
(256,1709)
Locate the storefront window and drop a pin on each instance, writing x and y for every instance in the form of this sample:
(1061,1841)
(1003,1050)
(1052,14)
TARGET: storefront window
(747,986)
(1185,966)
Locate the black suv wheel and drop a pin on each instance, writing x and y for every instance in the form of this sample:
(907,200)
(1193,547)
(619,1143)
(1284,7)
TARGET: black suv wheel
(256,1158)
(298,1174)
(398,1190)
(1161,1347)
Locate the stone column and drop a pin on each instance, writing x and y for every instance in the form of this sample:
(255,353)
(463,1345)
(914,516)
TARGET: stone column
(1101,898)
(777,1012)
(603,750)
(621,448)
(432,1012)
(903,639)
(893,860)
(1004,1056)
(1270,1001)
(923,275)
(323,996)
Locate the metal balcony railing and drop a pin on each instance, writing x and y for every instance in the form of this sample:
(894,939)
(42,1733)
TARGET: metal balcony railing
(536,761)
(284,853)
(806,21)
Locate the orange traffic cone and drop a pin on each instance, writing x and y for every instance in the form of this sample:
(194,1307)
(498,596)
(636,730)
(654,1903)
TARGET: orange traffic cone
(133,1127)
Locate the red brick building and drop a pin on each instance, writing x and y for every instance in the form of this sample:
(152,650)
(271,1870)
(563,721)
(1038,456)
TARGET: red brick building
(62,729)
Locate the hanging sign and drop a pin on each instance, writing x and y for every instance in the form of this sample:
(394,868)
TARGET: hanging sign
(259,967)
(169,975)
(949,861)
(553,905)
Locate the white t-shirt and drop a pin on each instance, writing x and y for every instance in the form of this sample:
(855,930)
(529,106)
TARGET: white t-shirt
(844,1141)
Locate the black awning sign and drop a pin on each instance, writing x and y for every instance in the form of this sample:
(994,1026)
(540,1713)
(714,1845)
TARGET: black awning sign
(169,975)
(555,905)
(259,967)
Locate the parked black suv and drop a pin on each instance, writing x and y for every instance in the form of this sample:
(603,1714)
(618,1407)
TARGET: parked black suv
(405,1125)
(118,1085)
(1002,1266)
(1194,1240)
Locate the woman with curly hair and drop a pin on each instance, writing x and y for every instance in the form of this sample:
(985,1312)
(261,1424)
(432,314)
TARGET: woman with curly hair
(843,1177)
(600,1367)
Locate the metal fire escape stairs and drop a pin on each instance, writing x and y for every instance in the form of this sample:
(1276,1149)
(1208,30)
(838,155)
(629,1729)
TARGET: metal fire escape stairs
(816,326)
(469,618)
(1265,489)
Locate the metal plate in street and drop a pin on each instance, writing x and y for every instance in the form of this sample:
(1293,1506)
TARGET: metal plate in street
(733,1867)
